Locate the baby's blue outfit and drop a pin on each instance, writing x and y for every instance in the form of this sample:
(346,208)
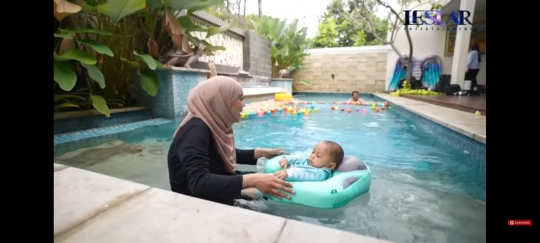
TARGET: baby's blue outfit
(299,169)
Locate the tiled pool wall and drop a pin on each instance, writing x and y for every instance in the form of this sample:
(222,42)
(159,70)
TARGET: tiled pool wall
(174,87)
(68,142)
(96,121)
(342,96)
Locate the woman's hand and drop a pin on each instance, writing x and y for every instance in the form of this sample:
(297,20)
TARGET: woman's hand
(268,153)
(272,185)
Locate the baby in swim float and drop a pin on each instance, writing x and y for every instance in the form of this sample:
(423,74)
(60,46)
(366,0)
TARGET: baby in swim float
(325,157)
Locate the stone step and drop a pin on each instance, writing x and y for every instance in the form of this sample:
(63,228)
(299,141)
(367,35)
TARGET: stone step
(261,91)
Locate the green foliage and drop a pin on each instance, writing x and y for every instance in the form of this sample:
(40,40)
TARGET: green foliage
(349,34)
(97,45)
(406,90)
(327,34)
(190,28)
(288,43)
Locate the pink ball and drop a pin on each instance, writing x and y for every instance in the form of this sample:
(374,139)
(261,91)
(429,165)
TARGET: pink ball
(357,109)
(364,111)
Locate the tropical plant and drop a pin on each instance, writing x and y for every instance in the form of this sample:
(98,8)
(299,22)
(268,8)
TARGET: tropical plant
(288,48)
(106,42)
(406,90)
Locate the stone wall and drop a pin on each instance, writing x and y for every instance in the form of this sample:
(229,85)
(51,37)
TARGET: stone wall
(257,58)
(343,70)
(245,50)
(232,40)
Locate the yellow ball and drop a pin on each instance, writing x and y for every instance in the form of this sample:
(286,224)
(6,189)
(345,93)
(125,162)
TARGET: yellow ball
(315,110)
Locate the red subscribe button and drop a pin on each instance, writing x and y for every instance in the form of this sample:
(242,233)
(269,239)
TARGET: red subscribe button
(517,222)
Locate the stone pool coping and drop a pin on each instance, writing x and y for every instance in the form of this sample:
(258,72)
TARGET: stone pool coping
(91,207)
(261,91)
(462,122)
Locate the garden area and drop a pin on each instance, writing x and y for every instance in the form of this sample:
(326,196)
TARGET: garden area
(102,47)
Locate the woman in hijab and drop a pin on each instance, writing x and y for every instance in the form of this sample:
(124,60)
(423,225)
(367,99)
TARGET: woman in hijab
(202,158)
(473,65)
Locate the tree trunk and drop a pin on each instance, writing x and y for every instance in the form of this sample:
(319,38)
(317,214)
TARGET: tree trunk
(260,8)
(410,60)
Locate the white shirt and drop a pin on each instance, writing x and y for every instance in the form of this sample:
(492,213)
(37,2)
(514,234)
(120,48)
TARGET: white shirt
(472,60)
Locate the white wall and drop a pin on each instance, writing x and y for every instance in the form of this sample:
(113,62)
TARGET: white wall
(429,42)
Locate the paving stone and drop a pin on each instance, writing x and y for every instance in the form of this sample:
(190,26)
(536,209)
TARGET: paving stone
(80,195)
(161,216)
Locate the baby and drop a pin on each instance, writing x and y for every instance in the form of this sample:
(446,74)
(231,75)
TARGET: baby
(325,157)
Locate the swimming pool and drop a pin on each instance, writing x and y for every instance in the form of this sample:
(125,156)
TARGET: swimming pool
(428,183)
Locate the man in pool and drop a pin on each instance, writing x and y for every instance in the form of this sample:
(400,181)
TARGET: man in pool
(356,97)
(325,157)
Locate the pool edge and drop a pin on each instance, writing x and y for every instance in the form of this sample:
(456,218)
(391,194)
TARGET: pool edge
(479,137)
(125,204)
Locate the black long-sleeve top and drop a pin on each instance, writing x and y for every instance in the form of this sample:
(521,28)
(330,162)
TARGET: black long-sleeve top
(196,168)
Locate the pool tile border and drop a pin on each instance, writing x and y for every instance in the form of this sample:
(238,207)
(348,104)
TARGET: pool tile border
(105,131)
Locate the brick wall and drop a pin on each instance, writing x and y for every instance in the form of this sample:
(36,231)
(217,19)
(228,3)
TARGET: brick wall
(257,58)
(354,68)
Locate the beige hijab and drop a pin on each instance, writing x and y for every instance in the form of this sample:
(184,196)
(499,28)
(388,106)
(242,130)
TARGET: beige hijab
(211,101)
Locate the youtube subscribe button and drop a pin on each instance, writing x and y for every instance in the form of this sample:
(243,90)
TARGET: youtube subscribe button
(519,222)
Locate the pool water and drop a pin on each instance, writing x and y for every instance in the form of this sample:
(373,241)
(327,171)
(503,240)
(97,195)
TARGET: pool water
(423,189)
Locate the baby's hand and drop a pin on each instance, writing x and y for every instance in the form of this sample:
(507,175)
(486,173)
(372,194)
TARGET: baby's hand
(283,162)
(282,174)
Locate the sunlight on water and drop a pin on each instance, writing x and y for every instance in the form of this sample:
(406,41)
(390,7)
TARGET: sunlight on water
(422,190)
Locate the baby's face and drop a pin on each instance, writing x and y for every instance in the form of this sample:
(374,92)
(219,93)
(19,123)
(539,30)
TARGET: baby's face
(321,157)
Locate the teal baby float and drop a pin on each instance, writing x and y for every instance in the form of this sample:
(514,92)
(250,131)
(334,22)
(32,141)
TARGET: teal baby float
(351,179)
